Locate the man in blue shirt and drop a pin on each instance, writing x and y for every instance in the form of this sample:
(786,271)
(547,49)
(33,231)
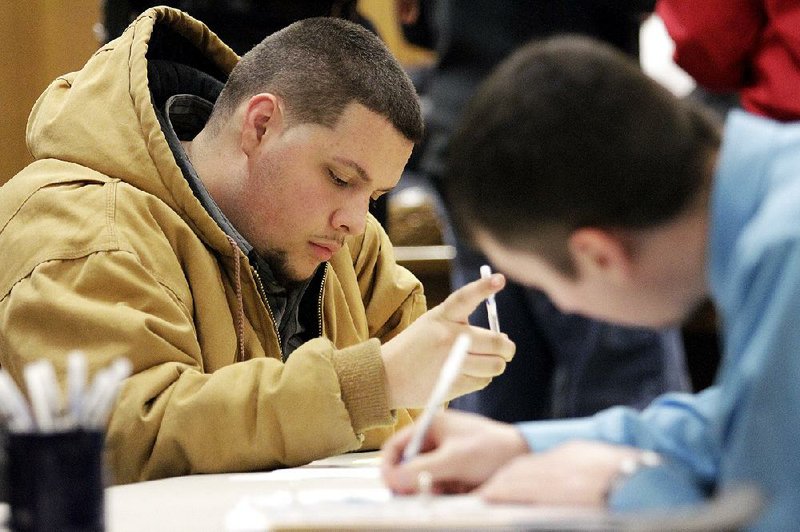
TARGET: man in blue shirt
(565,365)
(582,177)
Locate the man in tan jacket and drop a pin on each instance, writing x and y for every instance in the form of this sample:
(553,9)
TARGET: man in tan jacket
(206,217)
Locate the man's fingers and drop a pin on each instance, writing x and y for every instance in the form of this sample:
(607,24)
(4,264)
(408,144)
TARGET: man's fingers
(465,384)
(488,355)
(460,304)
(483,366)
(485,342)
(392,451)
(406,477)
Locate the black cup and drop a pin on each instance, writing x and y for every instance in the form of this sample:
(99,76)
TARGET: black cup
(55,480)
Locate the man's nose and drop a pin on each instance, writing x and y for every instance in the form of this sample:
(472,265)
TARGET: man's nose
(351,217)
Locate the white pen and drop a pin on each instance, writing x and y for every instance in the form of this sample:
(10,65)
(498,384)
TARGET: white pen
(40,379)
(447,375)
(100,399)
(491,304)
(76,383)
(120,370)
(101,383)
(13,404)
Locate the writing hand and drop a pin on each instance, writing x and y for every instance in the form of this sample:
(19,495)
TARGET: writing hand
(460,452)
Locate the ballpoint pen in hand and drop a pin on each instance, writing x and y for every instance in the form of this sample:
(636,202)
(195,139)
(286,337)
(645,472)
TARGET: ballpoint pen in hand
(491,304)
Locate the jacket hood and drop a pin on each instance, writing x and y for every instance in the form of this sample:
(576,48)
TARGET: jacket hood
(103,117)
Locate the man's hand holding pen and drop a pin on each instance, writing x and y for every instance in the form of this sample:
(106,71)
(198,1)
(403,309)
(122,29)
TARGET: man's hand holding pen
(414,358)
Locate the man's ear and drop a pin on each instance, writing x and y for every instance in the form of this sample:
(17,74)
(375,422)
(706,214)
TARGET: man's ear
(597,252)
(262,116)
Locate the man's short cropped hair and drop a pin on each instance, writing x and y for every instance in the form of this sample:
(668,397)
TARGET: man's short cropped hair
(319,66)
(568,133)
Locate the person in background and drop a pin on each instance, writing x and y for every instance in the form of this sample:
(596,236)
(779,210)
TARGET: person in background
(205,216)
(748,47)
(566,365)
(583,177)
(742,54)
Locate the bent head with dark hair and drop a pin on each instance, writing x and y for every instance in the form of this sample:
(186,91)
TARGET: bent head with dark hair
(318,66)
(568,133)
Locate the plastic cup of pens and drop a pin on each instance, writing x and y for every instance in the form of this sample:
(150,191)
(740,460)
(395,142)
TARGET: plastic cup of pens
(56,480)
(54,447)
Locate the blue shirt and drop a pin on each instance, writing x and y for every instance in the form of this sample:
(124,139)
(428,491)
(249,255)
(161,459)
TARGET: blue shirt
(746,428)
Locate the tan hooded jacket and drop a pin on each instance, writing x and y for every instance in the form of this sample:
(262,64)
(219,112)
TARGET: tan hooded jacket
(106,249)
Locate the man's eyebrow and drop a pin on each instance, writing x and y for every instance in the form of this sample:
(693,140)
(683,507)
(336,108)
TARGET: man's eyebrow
(362,174)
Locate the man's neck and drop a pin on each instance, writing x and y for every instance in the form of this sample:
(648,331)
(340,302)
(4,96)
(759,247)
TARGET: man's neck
(206,160)
(187,147)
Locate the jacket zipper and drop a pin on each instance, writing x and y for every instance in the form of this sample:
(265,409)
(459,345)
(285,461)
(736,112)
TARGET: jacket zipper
(263,293)
(321,292)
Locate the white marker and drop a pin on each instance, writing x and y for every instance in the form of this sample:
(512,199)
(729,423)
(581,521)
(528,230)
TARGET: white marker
(99,390)
(121,369)
(40,378)
(491,305)
(450,370)
(13,404)
(76,383)
(104,390)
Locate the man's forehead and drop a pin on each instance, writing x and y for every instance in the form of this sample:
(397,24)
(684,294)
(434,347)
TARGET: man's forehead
(369,147)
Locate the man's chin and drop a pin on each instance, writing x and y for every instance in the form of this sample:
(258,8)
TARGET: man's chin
(292,279)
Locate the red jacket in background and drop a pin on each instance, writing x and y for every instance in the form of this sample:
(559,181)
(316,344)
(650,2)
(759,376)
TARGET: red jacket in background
(749,46)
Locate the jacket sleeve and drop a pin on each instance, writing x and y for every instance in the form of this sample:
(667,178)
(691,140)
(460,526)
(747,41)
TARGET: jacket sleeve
(393,297)
(174,416)
(714,39)
(678,425)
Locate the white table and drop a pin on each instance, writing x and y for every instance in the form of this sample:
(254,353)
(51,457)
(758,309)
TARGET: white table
(338,493)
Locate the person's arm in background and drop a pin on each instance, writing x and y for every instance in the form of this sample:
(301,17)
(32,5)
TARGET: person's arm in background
(680,427)
(676,424)
(714,39)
